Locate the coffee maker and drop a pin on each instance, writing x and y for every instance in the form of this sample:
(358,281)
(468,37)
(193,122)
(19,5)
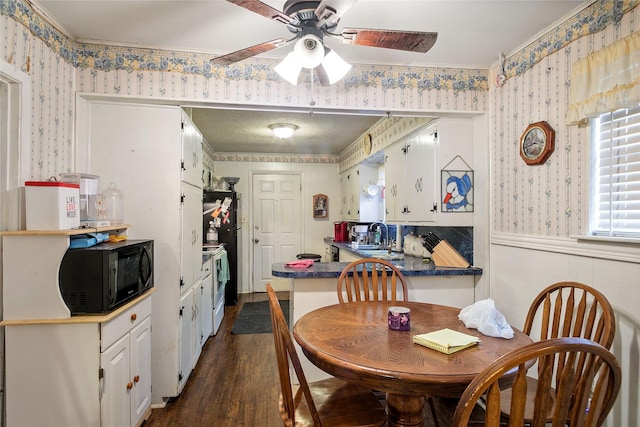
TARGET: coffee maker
(359,234)
(341,232)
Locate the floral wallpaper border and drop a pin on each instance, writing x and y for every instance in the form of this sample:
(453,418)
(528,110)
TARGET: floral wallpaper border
(102,57)
(275,158)
(131,59)
(106,58)
(593,19)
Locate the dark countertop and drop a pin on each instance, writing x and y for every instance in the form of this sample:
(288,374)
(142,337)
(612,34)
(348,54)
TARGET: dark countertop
(410,266)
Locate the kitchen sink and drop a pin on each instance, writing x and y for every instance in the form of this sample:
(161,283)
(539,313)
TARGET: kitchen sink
(383,254)
(368,247)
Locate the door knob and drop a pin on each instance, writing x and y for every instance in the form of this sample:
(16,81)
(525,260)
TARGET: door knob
(256,241)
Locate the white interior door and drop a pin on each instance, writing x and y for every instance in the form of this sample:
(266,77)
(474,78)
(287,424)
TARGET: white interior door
(277,223)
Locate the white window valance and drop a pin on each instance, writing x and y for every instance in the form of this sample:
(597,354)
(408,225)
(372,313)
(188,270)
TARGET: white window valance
(605,80)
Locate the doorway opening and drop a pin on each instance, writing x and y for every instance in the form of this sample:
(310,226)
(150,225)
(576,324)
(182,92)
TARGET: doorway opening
(15,123)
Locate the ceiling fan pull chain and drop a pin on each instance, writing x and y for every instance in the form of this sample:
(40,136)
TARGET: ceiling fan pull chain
(312,103)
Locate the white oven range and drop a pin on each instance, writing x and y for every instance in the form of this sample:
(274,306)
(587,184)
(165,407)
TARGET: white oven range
(218,268)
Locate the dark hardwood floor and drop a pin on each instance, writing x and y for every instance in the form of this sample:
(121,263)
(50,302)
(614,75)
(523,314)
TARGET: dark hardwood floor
(235,383)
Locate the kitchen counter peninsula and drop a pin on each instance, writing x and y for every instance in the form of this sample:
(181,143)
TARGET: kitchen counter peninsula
(425,282)
(409,266)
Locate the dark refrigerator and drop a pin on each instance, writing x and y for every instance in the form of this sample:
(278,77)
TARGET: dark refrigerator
(221,207)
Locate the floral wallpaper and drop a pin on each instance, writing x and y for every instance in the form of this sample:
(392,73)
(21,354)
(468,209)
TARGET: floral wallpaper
(383,134)
(593,19)
(61,68)
(52,148)
(549,199)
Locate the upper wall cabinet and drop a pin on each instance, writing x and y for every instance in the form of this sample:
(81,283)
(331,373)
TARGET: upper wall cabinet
(191,153)
(410,178)
(358,204)
(416,166)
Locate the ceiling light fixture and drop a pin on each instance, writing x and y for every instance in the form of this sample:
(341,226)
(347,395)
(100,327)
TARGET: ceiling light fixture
(333,68)
(309,52)
(283,130)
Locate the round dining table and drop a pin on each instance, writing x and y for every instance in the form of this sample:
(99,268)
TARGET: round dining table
(353,342)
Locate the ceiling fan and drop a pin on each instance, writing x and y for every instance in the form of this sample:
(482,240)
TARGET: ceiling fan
(310,21)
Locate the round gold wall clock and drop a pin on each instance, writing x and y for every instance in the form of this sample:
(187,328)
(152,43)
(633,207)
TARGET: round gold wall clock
(366,143)
(537,143)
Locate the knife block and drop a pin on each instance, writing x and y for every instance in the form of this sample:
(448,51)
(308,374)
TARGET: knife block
(444,255)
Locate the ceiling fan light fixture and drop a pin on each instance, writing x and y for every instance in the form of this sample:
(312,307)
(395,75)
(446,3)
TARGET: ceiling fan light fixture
(283,130)
(333,67)
(309,51)
(289,69)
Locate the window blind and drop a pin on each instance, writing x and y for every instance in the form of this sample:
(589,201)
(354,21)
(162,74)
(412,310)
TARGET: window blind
(616,198)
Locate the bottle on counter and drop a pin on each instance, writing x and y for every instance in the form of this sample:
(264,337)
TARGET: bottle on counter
(378,236)
(212,234)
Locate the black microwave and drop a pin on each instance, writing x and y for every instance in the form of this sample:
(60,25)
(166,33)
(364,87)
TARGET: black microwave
(100,278)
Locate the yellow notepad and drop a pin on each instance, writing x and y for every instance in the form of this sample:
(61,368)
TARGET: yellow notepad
(446,340)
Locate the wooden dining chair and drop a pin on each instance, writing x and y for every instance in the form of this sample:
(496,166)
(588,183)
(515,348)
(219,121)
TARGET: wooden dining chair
(589,381)
(371,279)
(329,402)
(375,279)
(566,309)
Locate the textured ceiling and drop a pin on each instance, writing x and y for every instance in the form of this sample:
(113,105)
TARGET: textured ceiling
(471,34)
(248,131)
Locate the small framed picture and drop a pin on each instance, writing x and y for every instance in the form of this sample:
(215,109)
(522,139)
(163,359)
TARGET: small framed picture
(457,190)
(537,143)
(320,206)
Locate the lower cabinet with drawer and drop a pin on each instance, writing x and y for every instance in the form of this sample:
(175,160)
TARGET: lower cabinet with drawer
(81,371)
(125,367)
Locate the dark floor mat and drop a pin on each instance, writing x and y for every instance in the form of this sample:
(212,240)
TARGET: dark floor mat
(254,318)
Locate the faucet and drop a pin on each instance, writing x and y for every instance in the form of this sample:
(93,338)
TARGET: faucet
(386,239)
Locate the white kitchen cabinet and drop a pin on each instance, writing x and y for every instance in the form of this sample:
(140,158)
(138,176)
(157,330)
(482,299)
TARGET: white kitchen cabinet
(345,256)
(196,319)
(140,340)
(191,242)
(78,370)
(64,370)
(420,179)
(154,155)
(356,204)
(394,181)
(196,325)
(126,375)
(191,153)
(185,339)
(410,179)
(328,255)
(413,168)
(344,192)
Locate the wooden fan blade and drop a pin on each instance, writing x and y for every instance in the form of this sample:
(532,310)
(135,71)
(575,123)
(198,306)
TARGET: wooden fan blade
(239,55)
(263,9)
(412,41)
(330,11)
